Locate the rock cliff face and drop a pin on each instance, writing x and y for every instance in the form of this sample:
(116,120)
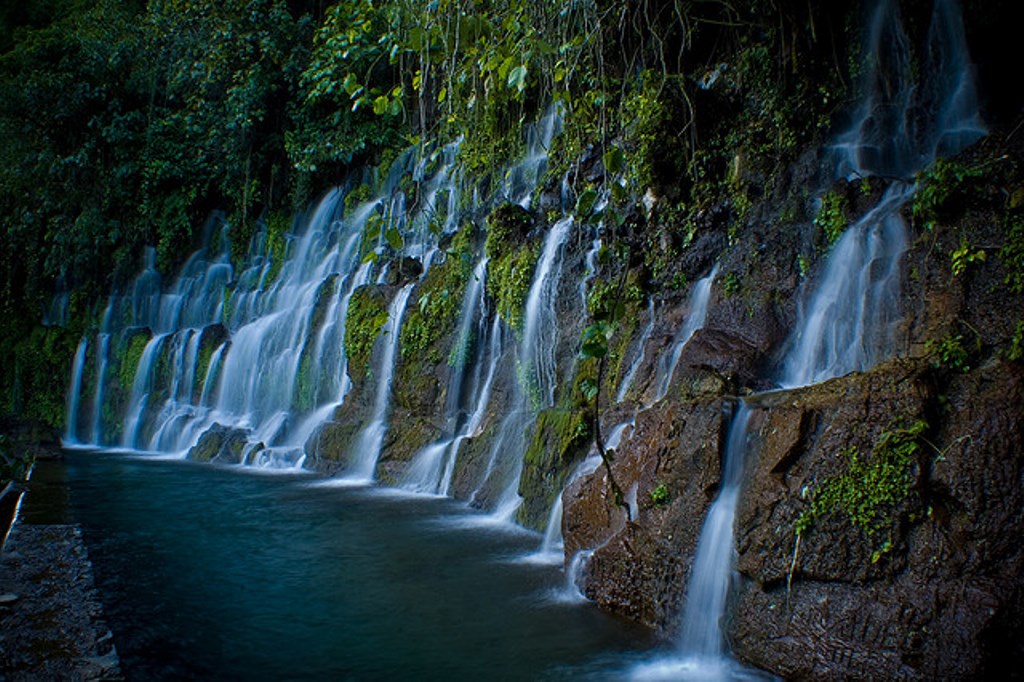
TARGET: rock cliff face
(853,562)
(932,593)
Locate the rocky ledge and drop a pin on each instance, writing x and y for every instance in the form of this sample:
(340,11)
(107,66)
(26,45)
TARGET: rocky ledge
(51,621)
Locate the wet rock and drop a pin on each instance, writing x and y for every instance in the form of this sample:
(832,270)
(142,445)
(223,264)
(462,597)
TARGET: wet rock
(674,446)
(931,595)
(403,270)
(220,444)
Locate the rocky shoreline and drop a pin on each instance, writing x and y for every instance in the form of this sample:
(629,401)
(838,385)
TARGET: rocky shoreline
(51,619)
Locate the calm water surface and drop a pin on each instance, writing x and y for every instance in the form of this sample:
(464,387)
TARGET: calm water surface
(219,573)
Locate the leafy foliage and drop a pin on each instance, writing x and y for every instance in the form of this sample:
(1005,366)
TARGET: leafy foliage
(949,353)
(512,261)
(1011,254)
(871,488)
(963,256)
(439,303)
(937,185)
(831,216)
(660,495)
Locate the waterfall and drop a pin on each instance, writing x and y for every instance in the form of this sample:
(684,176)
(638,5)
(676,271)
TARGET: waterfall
(522,178)
(850,321)
(101,377)
(369,442)
(432,468)
(641,353)
(141,388)
(699,298)
(854,313)
(540,323)
(590,263)
(256,348)
(535,387)
(712,563)
(75,391)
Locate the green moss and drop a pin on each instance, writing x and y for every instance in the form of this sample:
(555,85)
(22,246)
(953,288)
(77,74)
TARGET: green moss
(277,227)
(129,357)
(359,195)
(831,216)
(512,261)
(34,369)
(871,489)
(440,301)
(367,315)
(1011,254)
(660,495)
(561,438)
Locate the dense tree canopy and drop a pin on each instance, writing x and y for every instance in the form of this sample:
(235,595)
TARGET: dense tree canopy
(124,124)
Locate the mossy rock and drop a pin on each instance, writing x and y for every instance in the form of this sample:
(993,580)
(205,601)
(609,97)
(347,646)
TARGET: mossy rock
(221,444)
(367,315)
(210,339)
(561,438)
(328,448)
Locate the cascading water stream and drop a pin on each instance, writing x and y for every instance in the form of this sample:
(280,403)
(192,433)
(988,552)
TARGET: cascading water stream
(431,469)
(641,353)
(850,321)
(535,387)
(709,583)
(699,298)
(77,370)
(141,388)
(854,313)
(521,179)
(368,445)
(101,377)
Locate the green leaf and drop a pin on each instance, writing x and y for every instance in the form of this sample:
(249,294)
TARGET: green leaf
(372,229)
(589,388)
(517,78)
(351,85)
(380,105)
(595,340)
(585,203)
(394,238)
(614,161)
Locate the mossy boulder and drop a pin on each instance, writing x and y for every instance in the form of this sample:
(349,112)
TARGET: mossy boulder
(219,444)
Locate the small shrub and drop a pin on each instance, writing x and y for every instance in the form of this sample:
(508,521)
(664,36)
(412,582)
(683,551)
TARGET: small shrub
(660,495)
(963,256)
(948,352)
(731,284)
